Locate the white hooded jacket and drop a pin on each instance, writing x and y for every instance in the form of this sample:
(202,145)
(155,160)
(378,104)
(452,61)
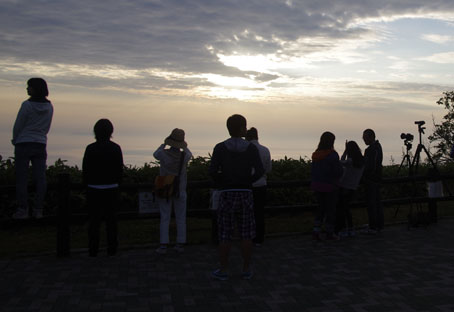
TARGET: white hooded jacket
(33,122)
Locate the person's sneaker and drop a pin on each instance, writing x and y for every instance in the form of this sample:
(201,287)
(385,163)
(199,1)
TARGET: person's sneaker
(219,275)
(20,214)
(179,248)
(161,250)
(247,275)
(343,234)
(38,213)
(369,232)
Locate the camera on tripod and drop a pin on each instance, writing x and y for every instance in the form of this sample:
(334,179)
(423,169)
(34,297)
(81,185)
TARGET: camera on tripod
(408,139)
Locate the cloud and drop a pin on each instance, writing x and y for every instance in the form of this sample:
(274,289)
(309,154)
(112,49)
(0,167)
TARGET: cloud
(440,58)
(177,36)
(435,38)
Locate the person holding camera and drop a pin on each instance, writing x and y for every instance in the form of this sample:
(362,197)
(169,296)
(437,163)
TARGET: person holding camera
(352,161)
(173,161)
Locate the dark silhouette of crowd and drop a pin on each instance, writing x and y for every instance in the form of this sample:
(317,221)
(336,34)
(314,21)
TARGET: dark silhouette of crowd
(238,168)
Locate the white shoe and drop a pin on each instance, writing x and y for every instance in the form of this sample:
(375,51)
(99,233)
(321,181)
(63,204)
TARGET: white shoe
(20,214)
(38,213)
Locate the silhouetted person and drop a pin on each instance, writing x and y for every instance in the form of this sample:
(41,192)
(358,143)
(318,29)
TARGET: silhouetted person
(259,186)
(352,161)
(372,179)
(173,161)
(234,166)
(30,139)
(325,173)
(102,170)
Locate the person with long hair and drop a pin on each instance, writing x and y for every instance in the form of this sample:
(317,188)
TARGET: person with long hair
(352,161)
(30,140)
(325,173)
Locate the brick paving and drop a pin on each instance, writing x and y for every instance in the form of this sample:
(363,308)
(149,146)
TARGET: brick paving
(398,270)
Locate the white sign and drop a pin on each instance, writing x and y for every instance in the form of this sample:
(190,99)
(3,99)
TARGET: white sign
(146,203)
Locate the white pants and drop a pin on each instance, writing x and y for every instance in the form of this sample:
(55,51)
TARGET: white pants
(165,209)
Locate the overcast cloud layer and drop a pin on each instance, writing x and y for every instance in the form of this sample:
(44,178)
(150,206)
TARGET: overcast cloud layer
(144,39)
(288,64)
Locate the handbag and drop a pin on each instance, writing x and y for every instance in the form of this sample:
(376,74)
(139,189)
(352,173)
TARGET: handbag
(166,186)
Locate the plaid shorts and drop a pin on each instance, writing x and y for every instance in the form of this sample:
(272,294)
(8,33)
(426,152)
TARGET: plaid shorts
(236,208)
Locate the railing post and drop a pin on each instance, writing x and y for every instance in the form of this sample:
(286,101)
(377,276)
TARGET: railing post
(63,214)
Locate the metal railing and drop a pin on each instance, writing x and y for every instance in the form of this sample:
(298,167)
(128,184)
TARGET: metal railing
(63,216)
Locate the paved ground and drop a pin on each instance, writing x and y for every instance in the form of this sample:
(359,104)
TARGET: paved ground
(399,270)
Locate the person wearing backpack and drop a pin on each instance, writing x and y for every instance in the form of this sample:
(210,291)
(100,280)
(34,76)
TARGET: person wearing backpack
(173,156)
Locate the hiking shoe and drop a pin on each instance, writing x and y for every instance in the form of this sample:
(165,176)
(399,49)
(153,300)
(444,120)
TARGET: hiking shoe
(38,214)
(219,275)
(247,275)
(20,214)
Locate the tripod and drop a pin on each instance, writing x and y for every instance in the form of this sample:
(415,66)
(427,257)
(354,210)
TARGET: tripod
(415,163)
(421,217)
(406,159)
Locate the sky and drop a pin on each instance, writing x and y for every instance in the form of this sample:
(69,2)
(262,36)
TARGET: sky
(294,69)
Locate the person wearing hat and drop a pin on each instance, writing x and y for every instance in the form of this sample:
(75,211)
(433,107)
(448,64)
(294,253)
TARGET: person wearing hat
(173,157)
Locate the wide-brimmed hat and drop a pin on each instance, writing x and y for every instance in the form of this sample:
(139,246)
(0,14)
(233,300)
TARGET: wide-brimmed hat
(176,139)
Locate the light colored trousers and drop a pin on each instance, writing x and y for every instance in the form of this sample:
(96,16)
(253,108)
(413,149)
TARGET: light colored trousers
(165,209)
(36,154)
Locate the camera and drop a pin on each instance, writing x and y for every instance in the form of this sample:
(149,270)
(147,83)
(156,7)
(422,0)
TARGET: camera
(407,136)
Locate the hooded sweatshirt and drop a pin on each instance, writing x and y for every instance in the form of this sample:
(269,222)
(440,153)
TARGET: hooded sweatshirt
(235,164)
(32,122)
(326,170)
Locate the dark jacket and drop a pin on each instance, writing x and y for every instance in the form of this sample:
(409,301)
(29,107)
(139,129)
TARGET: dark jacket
(373,156)
(235,164)
(102,163)
(326,171)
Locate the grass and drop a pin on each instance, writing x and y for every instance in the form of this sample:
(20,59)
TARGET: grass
(37,238)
